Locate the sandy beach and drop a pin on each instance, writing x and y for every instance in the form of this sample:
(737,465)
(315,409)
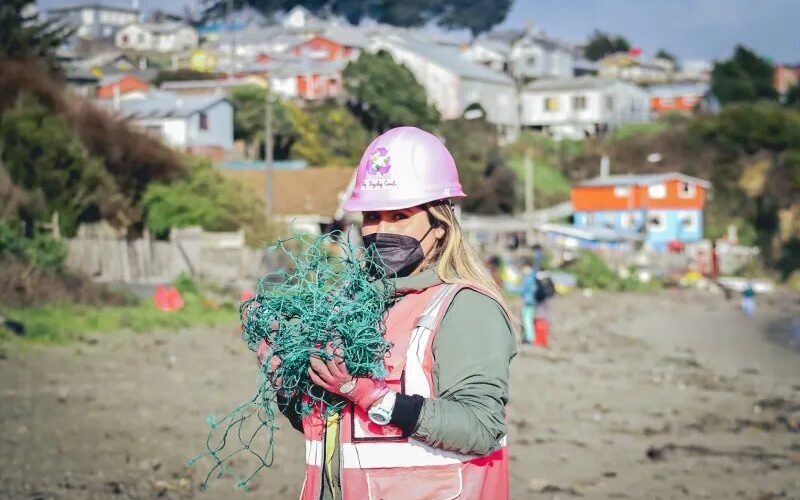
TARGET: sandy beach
(673,395)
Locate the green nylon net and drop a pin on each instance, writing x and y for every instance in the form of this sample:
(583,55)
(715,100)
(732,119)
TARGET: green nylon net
(325,294)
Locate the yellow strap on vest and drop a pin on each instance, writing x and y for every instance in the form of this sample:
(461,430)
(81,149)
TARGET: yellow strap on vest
(331,433)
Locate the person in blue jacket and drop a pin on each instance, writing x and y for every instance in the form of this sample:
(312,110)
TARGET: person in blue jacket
(527,290)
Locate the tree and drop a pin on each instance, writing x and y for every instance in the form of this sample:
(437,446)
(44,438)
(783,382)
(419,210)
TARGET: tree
(744,77)
(489,184)
(249,103)
(307,146)
(474,15)
(209,200)
(663,54)
(387,94)
(602,44)
(793,97)
(342,135)
(23,35)
(44,157)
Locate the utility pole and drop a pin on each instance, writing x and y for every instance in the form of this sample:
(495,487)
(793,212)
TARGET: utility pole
(229,12)
(529,198)
(268,181)
(529,184)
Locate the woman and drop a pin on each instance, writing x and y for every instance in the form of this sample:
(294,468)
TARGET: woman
(435,428)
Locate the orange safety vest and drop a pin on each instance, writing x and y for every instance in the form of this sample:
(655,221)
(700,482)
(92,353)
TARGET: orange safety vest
(376,462)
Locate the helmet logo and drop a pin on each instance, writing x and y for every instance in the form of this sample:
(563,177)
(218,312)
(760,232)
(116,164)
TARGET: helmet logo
(379,162)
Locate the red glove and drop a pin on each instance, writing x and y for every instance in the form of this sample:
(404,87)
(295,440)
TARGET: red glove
(334,377)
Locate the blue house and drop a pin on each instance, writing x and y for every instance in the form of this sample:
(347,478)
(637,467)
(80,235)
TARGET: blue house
(661,209)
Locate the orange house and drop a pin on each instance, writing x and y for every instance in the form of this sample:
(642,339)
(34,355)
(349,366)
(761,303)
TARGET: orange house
(322,48)
(786,76)
(658,207)
(680,97)
(125,84)
(318,86)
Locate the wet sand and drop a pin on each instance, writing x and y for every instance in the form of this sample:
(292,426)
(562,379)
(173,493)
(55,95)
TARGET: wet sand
(674,395)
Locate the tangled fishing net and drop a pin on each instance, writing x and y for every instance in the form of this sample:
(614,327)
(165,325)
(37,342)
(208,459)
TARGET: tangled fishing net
(325,295)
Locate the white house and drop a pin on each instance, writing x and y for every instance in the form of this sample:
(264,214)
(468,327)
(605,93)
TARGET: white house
(94,20)
(536,55)
(576,107)
(298,17)
(452,83)
(524,54)
(489,52)
(166,37)
(637,69)
(196,124)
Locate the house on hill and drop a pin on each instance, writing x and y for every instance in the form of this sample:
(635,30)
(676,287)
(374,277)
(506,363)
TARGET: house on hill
(524,54)
(167,37)
(201,125)
(454,84)
(576,107)
(94,20)
(677,97)
(659,208)
(126,86)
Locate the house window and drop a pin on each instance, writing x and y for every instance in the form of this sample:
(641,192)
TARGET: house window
(578,103)
(622,191)
(589,220)
(531,61)
(686,190)
(140,38)
(609,221)
(688,221)
(203,121)
(656,222)
(609,103)
(551,104)
(657,191)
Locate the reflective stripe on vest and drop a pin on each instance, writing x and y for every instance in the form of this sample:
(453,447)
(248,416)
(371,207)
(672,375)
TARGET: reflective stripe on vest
(412,453)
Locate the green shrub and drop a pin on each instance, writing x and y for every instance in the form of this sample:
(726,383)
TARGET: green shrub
(209,200)
(11,241)
(46,252)
(185,284)
(592,272)
(42,251)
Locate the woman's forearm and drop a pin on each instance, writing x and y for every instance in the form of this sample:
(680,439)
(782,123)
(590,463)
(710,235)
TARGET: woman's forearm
(467,428)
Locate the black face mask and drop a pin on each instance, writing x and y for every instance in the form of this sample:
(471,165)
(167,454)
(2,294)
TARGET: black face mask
(397,255)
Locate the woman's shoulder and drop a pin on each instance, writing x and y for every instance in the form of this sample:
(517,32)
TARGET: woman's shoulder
(475,316)
(476,297)
(477,306)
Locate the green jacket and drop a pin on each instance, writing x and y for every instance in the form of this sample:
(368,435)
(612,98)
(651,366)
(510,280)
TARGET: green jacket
(472,352)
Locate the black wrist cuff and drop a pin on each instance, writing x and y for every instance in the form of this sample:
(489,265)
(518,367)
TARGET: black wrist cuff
(406,412)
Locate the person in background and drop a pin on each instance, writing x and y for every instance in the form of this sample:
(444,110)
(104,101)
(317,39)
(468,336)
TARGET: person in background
(538,256)
(749,300)
(543,291)
(527,290)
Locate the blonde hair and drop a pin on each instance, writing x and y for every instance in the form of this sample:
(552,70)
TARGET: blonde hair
(456,261)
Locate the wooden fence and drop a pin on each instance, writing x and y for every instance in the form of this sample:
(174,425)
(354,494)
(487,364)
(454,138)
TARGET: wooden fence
(105,255)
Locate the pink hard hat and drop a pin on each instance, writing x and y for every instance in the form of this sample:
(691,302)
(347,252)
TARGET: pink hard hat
(403,168)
